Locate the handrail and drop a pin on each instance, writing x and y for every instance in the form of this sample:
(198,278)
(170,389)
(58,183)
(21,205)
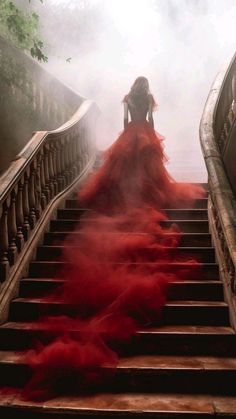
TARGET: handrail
(217,121)
(47,165)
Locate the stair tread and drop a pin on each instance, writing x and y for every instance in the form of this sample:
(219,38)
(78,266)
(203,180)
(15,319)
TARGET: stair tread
(162,209)
(189,330)
(217,361)
(56,280)
(196,303)
(172,221)
(176,329)
(131,263)
(136,403)
(185,248)
(180,303)
(179,281)
(190,213)
(184,233)
(178,362)
(81,209)
(150,362)
(200,239)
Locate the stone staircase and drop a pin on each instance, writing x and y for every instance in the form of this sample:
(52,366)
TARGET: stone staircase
(184,367)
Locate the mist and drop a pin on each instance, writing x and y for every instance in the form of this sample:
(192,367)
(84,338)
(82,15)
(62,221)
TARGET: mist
(180,45)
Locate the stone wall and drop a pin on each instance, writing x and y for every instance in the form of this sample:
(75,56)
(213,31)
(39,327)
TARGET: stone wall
(31,99)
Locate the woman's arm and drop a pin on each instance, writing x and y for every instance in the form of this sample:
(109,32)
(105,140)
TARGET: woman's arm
(126,114)
(150,110)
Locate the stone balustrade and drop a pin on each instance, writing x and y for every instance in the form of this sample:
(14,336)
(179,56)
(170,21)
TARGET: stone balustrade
(217,136)
(46,166)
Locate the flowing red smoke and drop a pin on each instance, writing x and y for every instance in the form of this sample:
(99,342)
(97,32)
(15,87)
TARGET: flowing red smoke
(118,273)
(117,281)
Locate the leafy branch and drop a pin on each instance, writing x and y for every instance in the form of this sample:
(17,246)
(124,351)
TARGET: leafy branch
(22,29)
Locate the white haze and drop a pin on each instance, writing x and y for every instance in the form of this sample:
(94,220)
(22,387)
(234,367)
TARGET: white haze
(178,44)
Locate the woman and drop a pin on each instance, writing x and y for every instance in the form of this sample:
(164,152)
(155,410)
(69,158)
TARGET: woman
(133,173)
(139,102)
(109,283)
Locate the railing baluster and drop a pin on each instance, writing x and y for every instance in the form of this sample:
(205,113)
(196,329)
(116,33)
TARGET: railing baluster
(38,188)
(62,162)
(4,241)
(67,160)
(42,176)
(46,173)
(70,159)
(74,156)
(46,167)
(19,215)
(51,171)
(32,201)
(78,157)
(26,225)
(58,166)
(12,228)
(54,166)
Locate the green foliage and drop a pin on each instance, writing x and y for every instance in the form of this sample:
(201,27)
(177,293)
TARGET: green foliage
(21,28)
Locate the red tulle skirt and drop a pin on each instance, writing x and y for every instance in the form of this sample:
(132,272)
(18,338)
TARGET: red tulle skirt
(119,271)
(133,174)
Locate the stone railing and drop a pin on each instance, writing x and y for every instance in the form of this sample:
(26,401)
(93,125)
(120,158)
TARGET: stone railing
(49,164)
(218,142)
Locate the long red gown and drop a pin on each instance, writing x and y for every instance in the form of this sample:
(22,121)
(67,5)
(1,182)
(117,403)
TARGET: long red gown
(109,281)
(133,174)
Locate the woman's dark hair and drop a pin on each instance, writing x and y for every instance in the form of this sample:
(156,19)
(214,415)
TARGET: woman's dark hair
(140,93)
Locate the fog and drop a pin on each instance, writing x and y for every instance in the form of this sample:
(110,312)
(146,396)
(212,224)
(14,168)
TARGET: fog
(178,44)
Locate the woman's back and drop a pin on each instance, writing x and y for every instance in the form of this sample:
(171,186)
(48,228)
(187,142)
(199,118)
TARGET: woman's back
(138,107)
(139,102)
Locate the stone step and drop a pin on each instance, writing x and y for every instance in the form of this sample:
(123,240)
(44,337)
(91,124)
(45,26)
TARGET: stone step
(145,373)
(179,290)
(204,185)
(186,226)
(186,240)
(185,340)
(198,204)
(213,313)
(122,405)
(203,254)
(168,340)
(172,214)
(181,367)
(187,214)
(51,269)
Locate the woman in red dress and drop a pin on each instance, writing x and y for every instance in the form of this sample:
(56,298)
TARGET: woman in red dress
(133,173)
(117,277)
